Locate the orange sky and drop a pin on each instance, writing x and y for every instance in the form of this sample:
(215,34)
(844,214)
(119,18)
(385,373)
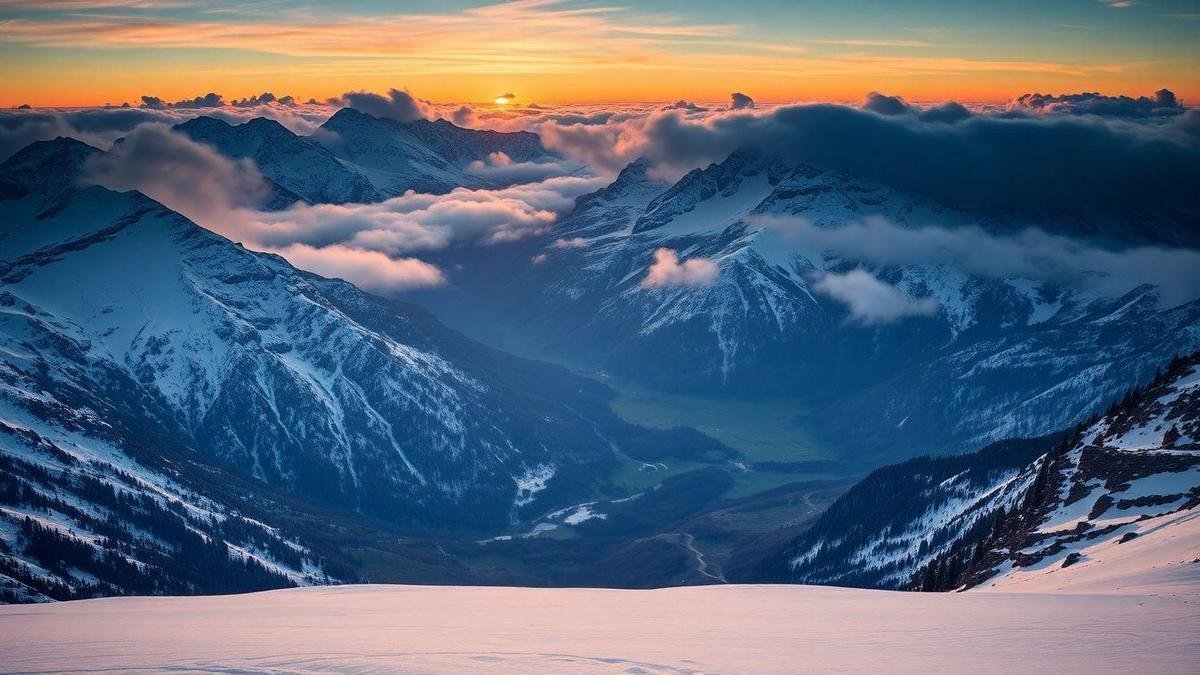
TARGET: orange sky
(81,52)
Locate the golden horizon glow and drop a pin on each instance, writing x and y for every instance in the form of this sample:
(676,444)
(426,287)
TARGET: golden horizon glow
(555,52)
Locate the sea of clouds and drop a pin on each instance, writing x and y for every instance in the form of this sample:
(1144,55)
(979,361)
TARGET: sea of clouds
(1034,159)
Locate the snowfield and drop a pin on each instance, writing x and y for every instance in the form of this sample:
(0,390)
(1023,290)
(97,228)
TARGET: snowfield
(757,629)
(1133,607)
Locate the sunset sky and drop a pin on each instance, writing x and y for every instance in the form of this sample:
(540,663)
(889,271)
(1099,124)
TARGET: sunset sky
(92,52)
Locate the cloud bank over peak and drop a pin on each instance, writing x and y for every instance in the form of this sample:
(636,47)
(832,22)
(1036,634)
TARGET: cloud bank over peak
(189,177)
(993,163)
(1162,104)
(740,101)
(397,104)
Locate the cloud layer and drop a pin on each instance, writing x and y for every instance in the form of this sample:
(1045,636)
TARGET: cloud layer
(1162,103)
(417,222)
(101,126)
(397,105)
(1041,157)
(995,164)
(1029,254)
(369,244)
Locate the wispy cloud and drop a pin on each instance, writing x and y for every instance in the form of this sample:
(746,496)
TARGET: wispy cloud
(507,34)
(876,43)
(667,270)
(70,5)
(527,36)
(871,301)
(1028,254)
(371,270)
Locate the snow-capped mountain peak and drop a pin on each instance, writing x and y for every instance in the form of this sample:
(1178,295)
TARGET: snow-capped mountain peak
(139,343)
(48,166)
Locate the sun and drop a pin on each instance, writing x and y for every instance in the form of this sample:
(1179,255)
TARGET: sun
(502,100)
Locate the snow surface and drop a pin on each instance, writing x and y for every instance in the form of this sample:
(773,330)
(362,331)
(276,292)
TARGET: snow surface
(760,629)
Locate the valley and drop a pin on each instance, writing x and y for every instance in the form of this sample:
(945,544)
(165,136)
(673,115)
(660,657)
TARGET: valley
(661,389)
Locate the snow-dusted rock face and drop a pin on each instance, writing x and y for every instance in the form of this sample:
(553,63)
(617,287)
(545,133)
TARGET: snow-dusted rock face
(1135,472)
(136,346)
(423,156)
(998,358)
(1003,517)
(301,166)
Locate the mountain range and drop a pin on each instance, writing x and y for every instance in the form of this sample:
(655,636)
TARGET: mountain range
(179,414)
(146,358)
(354,157)
(993,358)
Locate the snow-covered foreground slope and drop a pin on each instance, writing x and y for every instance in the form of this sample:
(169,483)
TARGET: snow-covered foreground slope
(746,629)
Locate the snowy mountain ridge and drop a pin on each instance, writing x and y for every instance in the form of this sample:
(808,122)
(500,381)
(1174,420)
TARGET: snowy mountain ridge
(1134,472)
(424,156)
(299,165)
(1020,512)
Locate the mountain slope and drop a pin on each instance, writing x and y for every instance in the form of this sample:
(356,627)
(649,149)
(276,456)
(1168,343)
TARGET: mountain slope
(299,380)
(355,157)
(1020,511)
(1133,473)
(158,383)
